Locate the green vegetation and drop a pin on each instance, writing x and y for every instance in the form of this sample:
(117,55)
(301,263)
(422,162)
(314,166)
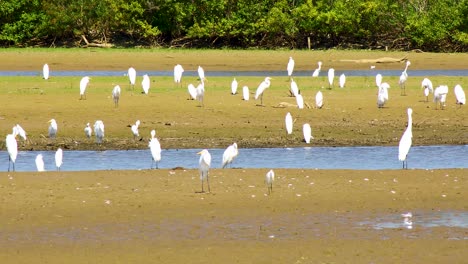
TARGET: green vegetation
(414,24)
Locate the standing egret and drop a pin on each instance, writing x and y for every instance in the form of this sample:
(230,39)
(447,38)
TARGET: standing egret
(403,78)
(45,71)
(269,179)
(52,128)
(83,85)
(20,131)
(134,129)
(205,163)
(290,67)
(342,80)
(406,140)
(426,84)
(245,93)
(294,89)
(459,94)
(261,89)
(88,131)
(201,74)
(132,76)
(300,101)
(59,158)
(155,148)
(116,95)
(178,71)
(40,163)
(201,93)
(378,80)
(382,96)
(145,84)
(317,71)
(229,155)
(99,131)
(331,76)
(440,96)
(12,148)
(289,123)
(192,92)
(234,85)
(307,131)
(319,100)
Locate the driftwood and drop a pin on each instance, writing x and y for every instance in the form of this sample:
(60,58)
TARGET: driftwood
(379,60)
(95,45)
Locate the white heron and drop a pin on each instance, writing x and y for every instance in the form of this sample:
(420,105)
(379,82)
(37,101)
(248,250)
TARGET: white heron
(307,131)
(40,163)
(234,85)
(331,76)
(382,96)
(426,84)
(201,93)
(261,89)
(192,90)
(201,74)
(245,93)
(116,95)
(342,80)
(290,67)
(229,155)
(406,140)
(83,85)
(289,123)
(134,129)
(155,148)
(58,158)
(300,101)
(205,163)
(99,131)
(459,95)
(178,71)
(319,100)
(378,80)
(440,95)
(269,179)
(88,131)
(403,78)
(45,71)
(145,83)
(294,89)
(12,148)
(20,131)
(53,127)
(317,71)
(132,76)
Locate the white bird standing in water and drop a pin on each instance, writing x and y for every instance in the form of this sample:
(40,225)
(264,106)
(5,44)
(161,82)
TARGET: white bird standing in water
(382,96)
(234,85)
(403,78)
(155,148)
(134,129)
(440,95)
(426,84)
(307,131)
(294,89)
(205,163)
(88,131)
(45,71)
(116,95)
(40,163)
(53,128)
(459,95)
(406,140)
(245,93)
(145,84)
(331,76)
(289,123)
(261,89)
(290,67)
(201,74)
(99,131)
(12,149)
(229,155)
(178,71)
(342,80)
(317,71)
(132,76)
(58,158)
(319,100)
(269,179)
(83,85)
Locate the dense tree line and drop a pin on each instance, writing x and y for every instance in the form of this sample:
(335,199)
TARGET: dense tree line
(429,25)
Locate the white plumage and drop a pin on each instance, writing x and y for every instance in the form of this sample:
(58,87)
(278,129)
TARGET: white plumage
(12,148)
(132,76)
(145,83)
(406,140)
(426,84)
(134,129)
(204,167)
(342,80)
(20,131)
(245,93)
(290,66)
(53,128)
(99,131)
(382,96)
(319,100)
(234,85)
(83,85)
(116,95)
(58,158)
(192,91)
(155,148)
(45,71)
(261,89)
(288,123)
(88,131)
(201,93)
(300,101)
(403,78)
(40,163)
(269,179)
(229,155)
(378,80)
(440,96)
(294,89)
(459,94)
(331,77)
(317,71)
(201,74)
(178,71)
(307,131)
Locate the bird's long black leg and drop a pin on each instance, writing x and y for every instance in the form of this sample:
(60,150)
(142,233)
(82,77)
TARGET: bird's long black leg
(208,182)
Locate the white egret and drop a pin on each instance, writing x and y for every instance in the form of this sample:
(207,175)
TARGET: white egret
(205,163)
(234,85)
(116,95)
(342,80)
(155,148)
(317,71)
(319,100)
(426,84)
(378,80)
(300,101)
(245,93)
(406,140)
(132,76)
(88,131)
(290,67)
(261,89)
(331,76)
(382,96)
(201,93)
(440,96)
(58,158)
(145,84)
(83,85)
(53,128)
(12,148)
(178,71)
(134,129)
(40,163)
(201,74)
(99,131)
(403,78)
(289,123)
(269,179)
(45,71)
(294,89)
(307,131)
(229,155)
(20,131)
(459,94)
(192,91)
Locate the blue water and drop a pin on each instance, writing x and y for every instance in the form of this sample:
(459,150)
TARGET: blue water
(356,158)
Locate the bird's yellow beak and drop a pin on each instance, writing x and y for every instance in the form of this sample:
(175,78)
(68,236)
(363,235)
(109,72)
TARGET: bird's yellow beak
(199,153)
(50,121)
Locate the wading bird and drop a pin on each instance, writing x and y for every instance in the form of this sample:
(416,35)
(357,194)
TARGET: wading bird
(20,131)
(406,140)
(40,163)
(317,71)
(12,148)
(378,80)
(201,93)
(440,96)
(229,155)
(290,67)
(245,93)
(269,179)
(426,84)
(83,85)
(58,158)
(99,131)
(116,95)
(201,74)
(307,131)
(300,101)
(155,148)
(459,95)
(88,131)
(261,89)
(294,89)
(45,71)
(382,96)
(319,100)
(234,85)
(145,84)
(288,123)
(403,78)
(53,128)
(134,129)
(178,71)
(342,80)
(205,163)
(331,76)
(192,92)
(132,76)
